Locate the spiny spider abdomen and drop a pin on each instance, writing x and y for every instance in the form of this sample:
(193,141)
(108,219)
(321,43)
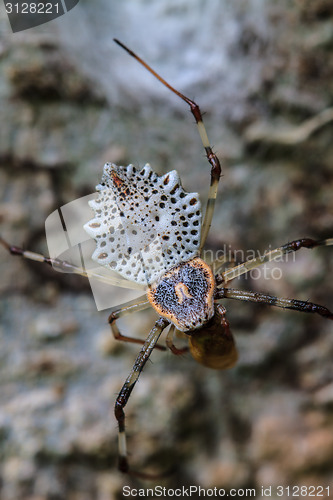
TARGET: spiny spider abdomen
(185,295)
(144,223)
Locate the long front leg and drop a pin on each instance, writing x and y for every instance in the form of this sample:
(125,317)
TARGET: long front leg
(213,160)
(275,254)
(262,298)
(66,267)
(127,388)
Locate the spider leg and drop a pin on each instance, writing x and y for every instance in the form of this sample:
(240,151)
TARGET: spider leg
(127,388)
(66,267)
(224,322)
(37,257)
(262,298)
(211,156)
(275,254)
(169,342)
(139,305)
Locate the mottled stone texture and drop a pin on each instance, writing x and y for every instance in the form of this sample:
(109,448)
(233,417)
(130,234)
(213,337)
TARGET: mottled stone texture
(70,101)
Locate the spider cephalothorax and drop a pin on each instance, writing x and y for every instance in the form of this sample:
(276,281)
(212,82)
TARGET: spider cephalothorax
(185,295)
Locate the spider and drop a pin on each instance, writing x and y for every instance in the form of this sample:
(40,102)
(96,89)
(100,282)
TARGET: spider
(150,232)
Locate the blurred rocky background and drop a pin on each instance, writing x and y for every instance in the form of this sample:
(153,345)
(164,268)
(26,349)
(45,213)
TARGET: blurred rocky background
(70,100)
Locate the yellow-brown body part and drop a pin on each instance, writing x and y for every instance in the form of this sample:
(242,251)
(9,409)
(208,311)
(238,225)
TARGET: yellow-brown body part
(213,345)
